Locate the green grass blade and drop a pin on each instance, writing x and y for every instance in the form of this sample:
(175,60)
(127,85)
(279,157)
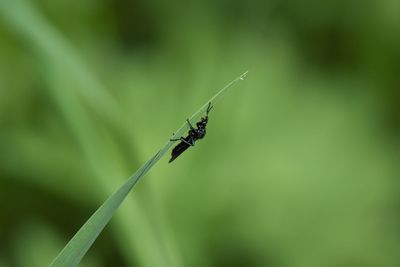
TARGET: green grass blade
(77,247)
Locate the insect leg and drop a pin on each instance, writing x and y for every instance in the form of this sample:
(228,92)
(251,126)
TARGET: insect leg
(188,143)
(193,141)
(174,139)
(190,125)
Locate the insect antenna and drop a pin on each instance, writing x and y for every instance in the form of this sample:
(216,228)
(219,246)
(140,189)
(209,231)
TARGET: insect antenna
(209,108)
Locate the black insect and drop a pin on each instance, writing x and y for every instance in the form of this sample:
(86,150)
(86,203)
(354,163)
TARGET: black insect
(193,135)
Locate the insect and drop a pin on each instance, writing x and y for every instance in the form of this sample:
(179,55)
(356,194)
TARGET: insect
(193,135)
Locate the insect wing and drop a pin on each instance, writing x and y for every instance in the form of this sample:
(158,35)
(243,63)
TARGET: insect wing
(179,149)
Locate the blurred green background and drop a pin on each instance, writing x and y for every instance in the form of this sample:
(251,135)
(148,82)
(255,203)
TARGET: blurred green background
(300,166)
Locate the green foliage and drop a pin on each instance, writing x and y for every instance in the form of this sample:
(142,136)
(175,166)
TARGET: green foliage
(298,169)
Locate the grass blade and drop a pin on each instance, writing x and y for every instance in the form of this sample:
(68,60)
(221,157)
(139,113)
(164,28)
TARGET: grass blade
(77,247)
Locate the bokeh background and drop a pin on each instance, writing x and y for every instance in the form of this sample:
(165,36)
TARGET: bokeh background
(300,166)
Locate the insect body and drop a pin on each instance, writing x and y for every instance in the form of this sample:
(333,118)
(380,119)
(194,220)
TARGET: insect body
(193,135)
